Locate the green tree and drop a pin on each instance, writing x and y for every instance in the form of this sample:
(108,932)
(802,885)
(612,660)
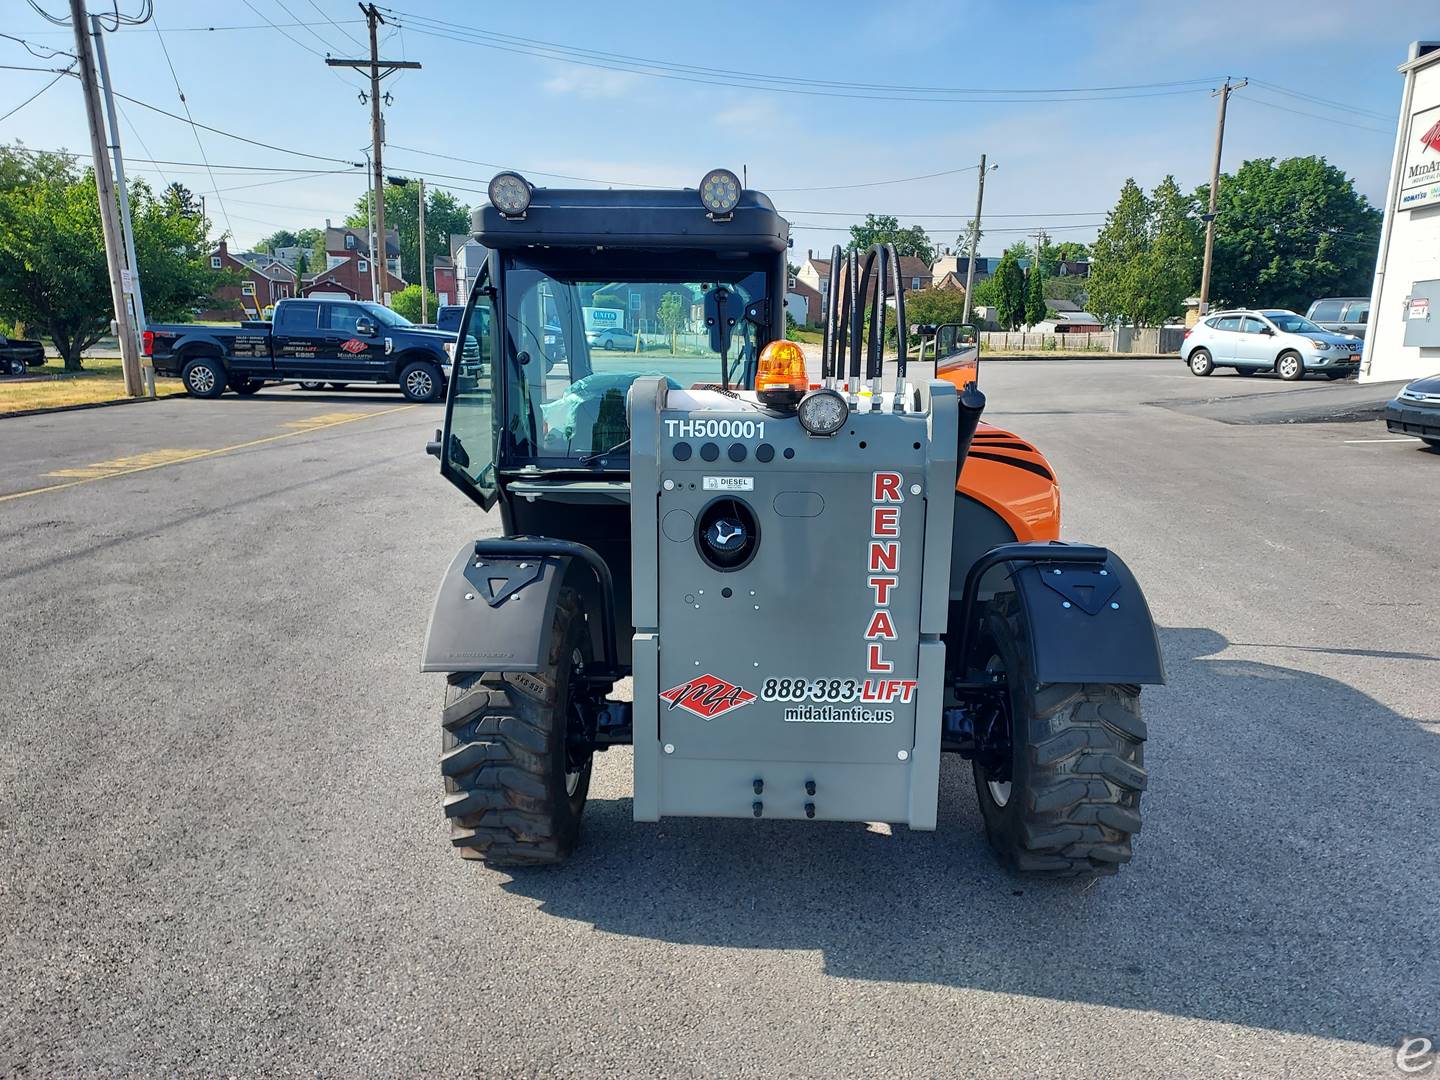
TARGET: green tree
(1289,231)
(313,241)
(1072,250)
(406,302)
(302,267)
(1172,264)
(1035,306)
(1010,291)
(443,216)
(935,306)
(885,229)
(968,242)
(278,239)
(1117,269)
(985,294)
(52,253)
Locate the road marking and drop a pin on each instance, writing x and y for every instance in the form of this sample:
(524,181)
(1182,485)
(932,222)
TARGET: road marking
(1357,442)
(125,464)
(121,467)
(325,419)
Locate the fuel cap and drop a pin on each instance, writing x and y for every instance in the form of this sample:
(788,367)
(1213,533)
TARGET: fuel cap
(727,534)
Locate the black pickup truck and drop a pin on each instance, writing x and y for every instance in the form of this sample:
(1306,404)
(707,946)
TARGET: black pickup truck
(310,341)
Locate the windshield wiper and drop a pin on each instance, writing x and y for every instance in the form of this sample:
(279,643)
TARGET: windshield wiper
(590,459)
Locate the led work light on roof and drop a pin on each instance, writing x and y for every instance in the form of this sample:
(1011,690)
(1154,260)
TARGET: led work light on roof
(510,194)
(720,192)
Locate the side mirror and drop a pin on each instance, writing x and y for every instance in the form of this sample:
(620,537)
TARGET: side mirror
(365,328)
(1267,331)
(923,330)
(433,446)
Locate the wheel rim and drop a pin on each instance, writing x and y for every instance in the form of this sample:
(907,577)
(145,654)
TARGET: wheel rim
(202,379)
(574,764)
(1289,366)
(999,789)
(419,383)
(1200,363)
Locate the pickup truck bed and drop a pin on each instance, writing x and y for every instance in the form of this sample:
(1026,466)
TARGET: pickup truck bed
(310,341)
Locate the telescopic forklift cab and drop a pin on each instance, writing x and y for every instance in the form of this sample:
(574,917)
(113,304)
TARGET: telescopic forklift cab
(812,597)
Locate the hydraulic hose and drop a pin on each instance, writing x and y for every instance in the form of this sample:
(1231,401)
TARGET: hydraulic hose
(902,330)
(857,321)
(829,365)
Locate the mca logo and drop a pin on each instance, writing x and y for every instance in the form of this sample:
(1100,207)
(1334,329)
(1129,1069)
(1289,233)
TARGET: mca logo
(353,346)
(707,696)
(1431,139)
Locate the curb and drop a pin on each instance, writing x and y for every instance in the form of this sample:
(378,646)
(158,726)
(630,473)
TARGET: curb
(83,405)
(996,358)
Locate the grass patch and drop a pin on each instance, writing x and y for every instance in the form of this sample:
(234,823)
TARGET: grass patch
(102,380)
(809,337)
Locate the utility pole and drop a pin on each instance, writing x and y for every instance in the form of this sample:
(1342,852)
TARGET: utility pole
(1224,94)
(370,222)
(126,228)
(105,190)
(424,279)
(975,238)
(377,129)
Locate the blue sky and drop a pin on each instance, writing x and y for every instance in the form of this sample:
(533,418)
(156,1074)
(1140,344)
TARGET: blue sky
(507,105)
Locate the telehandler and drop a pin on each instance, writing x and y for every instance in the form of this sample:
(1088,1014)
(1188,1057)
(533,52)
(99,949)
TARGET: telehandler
(818,583)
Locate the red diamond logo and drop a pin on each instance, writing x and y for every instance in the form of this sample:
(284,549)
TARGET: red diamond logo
(707,696)
(353,346)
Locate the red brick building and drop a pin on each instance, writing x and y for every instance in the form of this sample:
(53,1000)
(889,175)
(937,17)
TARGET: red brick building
(264,281)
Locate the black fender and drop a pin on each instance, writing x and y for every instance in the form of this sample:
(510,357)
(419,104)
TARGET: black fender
(497,602)
(412,353)
(1083,613)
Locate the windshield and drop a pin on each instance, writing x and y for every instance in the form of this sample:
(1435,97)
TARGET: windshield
(574,346)
(1289,323)
(385,315)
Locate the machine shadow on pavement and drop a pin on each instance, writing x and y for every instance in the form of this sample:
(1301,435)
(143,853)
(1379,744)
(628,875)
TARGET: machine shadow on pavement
(1265,891)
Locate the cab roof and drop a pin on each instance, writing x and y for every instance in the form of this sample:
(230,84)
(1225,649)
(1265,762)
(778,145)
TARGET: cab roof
(650,219)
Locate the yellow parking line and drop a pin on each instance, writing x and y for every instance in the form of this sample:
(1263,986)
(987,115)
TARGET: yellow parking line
(106,470)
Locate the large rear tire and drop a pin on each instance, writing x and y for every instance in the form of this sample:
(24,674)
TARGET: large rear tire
(516,776)
(204,377)
(1071,802)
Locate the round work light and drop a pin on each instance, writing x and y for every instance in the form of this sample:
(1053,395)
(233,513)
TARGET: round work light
(510,194)
(720,191)
(822,412)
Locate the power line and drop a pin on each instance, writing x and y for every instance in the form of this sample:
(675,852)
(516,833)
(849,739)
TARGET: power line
(30,47)
(880,183)
(1375,114)
(258,169)
(335,24)
(1036,216)
(35,95)
(1007,229)
(313,52)
(46,15)
(610,60)
(1317,116)
(199,145)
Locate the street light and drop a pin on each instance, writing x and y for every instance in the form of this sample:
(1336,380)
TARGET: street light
(404,181)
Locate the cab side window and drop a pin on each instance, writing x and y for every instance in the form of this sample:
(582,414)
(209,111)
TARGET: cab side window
(1252,325)
(343,318)
(296,318)
(1326,311)
(1358,313)
(1229,323)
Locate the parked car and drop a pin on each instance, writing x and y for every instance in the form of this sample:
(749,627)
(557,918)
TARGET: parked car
(18,354)
(311,341)
(612,337)
(1416,411)
(1268,340)
(1341,314)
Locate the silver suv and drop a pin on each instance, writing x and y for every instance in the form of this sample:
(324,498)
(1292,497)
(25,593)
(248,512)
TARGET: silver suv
(1269,340)
(1342,314)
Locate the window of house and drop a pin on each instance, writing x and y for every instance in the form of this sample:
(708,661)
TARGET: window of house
(349,242)
(790,282)
(247,288)
(216,262)
(364,266)
(914,283)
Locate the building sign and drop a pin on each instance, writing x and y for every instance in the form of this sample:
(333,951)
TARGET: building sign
(1420,177)
(1419,307)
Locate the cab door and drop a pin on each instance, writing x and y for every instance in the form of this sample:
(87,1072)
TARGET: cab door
(1255,343)
(353,346)
(1227,330)
(295,341)
(468,440)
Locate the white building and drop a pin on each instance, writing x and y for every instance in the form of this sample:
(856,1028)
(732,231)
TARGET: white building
(1404,336)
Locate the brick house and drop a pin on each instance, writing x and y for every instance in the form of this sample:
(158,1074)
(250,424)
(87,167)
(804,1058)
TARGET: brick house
(347,266)
(815,273)
(264,281)
(801,297)
(444,287)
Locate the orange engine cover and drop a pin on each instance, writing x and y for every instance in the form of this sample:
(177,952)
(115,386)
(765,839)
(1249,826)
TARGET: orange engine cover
(1007,474)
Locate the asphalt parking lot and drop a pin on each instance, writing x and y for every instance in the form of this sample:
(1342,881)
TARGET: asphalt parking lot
(223,851)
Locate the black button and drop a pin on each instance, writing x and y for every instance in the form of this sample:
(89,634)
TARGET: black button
(709,451)
(737,451)
(764,452)
(789,451)
(682,451)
